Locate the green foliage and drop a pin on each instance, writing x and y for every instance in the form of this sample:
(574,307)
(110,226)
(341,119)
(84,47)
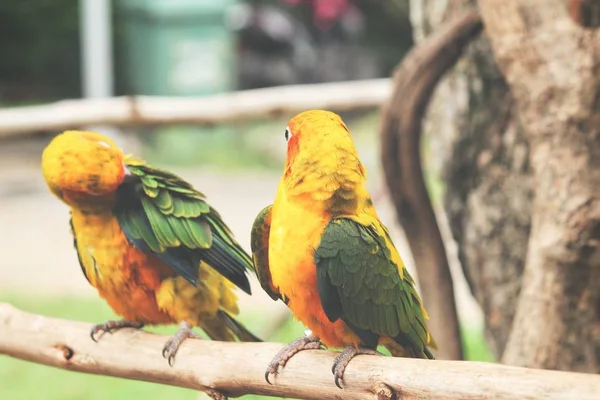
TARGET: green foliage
(39,43)
(474,345)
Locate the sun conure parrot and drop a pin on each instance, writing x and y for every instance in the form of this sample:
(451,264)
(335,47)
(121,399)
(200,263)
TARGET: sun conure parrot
(151,245)
(322,249)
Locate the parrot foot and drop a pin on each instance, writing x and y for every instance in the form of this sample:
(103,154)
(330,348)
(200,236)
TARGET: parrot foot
(283,356)
(216,395)
(172,345)
(111,326)
(343,359)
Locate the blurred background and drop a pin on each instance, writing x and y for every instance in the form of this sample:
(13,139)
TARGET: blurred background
(65,49)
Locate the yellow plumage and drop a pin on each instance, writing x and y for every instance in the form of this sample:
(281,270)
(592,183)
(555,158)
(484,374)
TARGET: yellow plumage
(329,256)
(88,172)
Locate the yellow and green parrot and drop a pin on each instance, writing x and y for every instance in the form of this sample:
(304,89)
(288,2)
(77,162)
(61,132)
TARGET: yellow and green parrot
(322,249)
(151,245)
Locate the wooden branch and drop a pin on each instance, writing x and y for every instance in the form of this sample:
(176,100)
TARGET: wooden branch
(238,368)
(150,110)
(414,82)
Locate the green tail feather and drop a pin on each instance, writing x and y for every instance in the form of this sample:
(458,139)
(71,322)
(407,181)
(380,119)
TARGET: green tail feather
(243,334)
(428,354)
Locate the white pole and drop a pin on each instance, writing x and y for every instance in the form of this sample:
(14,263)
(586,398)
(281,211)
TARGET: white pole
(97,55)
(96,48)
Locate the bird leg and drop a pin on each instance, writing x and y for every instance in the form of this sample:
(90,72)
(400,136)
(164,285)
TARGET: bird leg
(216,395)
(309,342)
(343,359)
(172,345)
(111,326)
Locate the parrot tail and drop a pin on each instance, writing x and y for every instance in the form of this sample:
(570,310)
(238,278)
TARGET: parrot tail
(226,328)
(398,350)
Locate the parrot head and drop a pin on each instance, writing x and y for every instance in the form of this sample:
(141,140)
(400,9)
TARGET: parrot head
(322,163)
(319,137)
(79,166)
(315,132)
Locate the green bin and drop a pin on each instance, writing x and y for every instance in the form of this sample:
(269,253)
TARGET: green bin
(177,47)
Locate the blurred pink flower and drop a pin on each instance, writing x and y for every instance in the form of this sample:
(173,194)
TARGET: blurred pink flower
(325,12)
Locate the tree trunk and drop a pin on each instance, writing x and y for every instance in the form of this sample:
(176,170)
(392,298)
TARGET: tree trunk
(552,66)
(482,156)
(414,82)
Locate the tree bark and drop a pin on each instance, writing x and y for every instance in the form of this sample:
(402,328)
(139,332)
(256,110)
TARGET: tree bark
(481,154)
(552,66)
(414,82)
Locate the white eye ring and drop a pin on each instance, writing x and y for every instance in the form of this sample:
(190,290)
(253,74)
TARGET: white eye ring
(288,133)
(104,144)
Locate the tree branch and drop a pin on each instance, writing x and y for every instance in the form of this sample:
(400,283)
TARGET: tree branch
(238,368)
(154,110)
(414,82)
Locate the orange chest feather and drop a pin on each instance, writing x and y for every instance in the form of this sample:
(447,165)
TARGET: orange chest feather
(295,233)
(123,275)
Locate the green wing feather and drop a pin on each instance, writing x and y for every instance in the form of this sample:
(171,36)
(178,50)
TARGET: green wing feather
(162,214)
(259,244)
(358,282)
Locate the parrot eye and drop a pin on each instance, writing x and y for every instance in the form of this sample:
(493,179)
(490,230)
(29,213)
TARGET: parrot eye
(288,133)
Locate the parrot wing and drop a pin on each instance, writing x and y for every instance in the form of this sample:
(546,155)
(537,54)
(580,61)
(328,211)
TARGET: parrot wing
(162,214)
(359,283)
(259,244)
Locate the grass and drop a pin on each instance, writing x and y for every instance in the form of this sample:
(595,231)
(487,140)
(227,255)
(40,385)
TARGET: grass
(22,380)
(474,345)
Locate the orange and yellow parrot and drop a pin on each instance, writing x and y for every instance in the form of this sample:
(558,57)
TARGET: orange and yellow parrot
(322,249)
(151,245)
